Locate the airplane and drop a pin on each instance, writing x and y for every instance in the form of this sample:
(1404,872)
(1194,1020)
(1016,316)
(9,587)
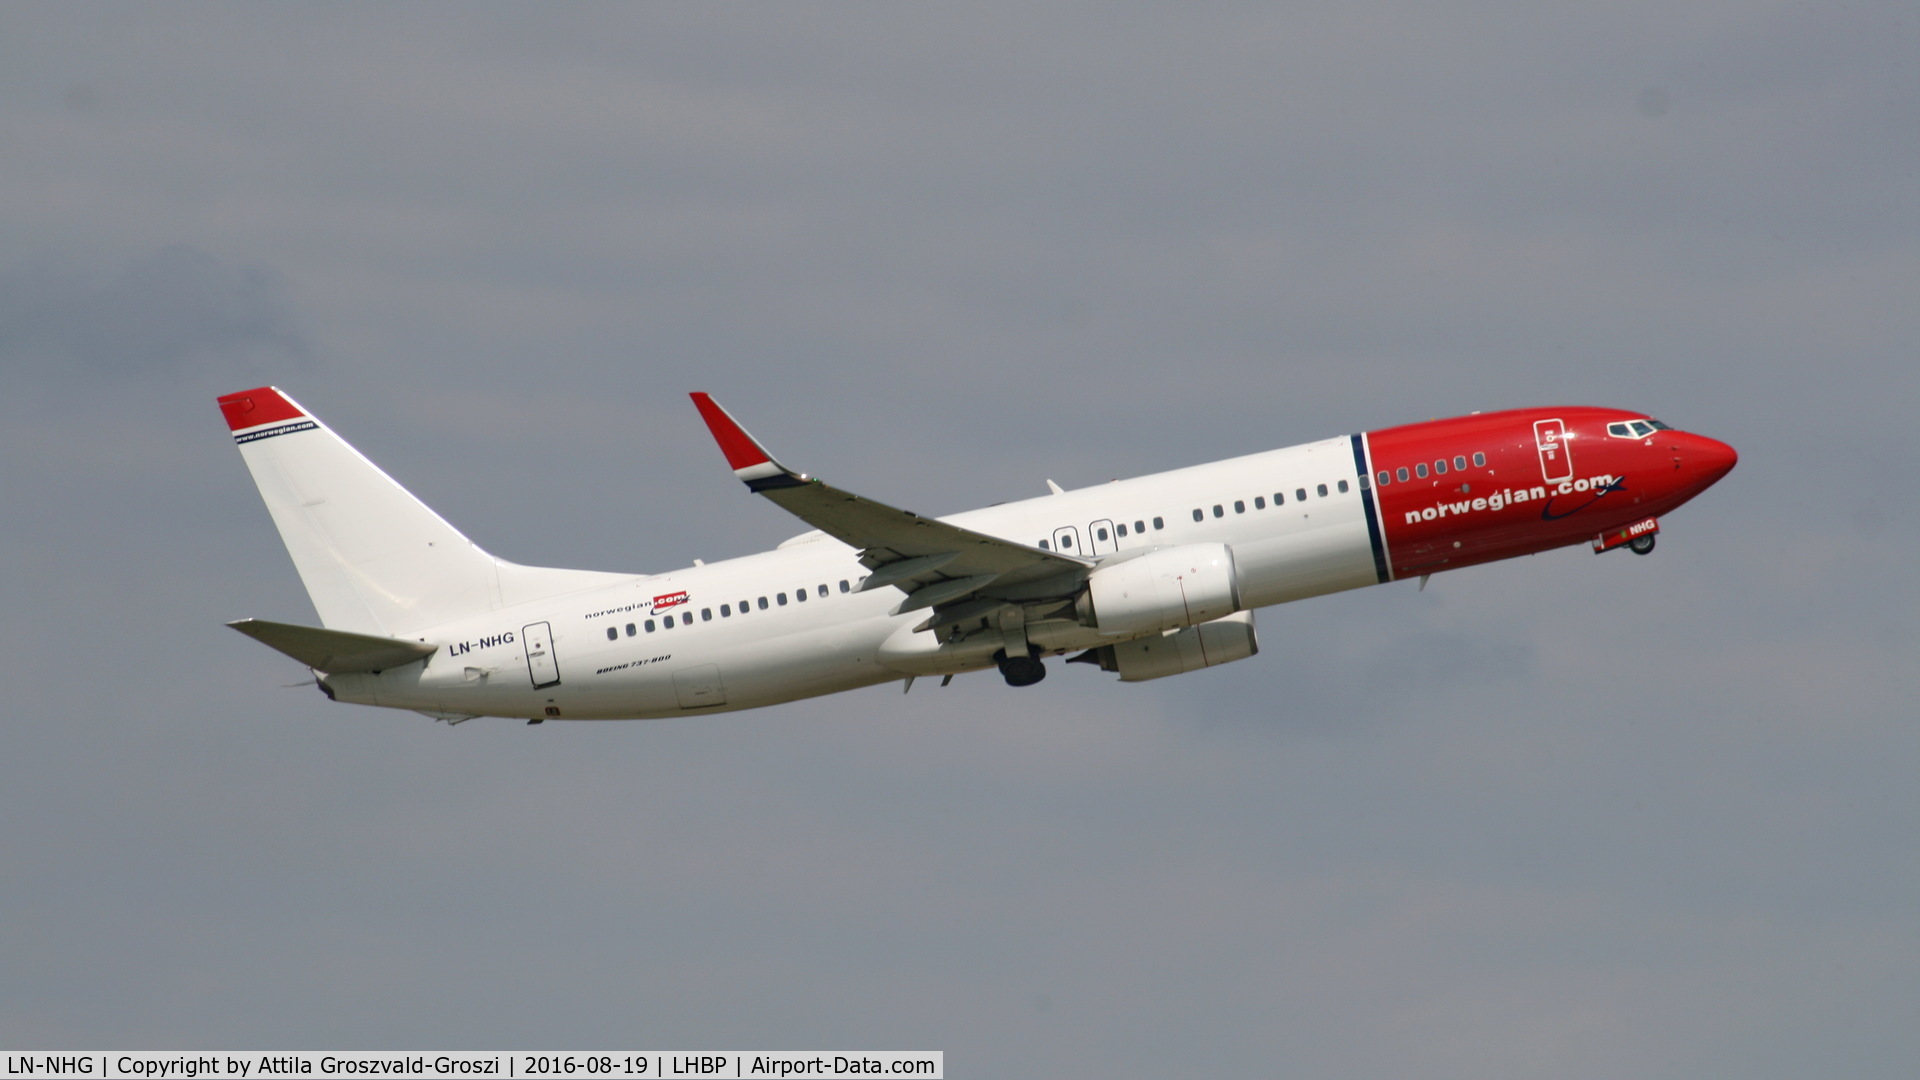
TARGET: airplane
(1147,577)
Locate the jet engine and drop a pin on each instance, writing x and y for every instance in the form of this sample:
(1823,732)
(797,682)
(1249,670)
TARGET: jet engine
(1187,649)
(1161,590)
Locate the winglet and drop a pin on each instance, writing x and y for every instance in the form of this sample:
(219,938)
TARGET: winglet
(748,459)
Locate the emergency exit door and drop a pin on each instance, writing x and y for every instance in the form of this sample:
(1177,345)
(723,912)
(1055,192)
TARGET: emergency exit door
(1101,539)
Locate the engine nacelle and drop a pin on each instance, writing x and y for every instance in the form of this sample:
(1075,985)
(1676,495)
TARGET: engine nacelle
(1191,648)
(1162,590)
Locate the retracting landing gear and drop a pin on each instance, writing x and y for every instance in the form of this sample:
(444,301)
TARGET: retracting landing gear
(1641,545)
(1021,670)
(1020,661)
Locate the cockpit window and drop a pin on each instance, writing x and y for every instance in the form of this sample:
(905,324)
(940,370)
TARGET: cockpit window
(1636,429)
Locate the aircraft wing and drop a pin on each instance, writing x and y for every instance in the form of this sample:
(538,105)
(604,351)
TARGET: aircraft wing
(939,565)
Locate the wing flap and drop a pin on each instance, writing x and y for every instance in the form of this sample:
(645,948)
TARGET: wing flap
(905,569)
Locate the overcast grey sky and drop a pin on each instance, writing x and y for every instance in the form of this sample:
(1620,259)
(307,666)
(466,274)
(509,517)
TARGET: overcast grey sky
(1566,816)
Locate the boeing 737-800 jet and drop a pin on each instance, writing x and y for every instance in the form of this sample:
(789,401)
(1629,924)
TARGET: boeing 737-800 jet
(1148,577)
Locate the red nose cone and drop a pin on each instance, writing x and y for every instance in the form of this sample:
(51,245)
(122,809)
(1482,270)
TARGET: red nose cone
(1709,459)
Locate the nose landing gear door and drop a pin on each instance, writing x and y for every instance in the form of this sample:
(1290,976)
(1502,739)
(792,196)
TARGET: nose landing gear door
(1556,454)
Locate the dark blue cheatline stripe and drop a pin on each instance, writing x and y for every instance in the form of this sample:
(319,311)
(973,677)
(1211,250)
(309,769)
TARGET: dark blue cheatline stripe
(285,429)
(1367,497)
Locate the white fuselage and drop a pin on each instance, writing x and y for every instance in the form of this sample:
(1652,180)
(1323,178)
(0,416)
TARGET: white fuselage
(743,638)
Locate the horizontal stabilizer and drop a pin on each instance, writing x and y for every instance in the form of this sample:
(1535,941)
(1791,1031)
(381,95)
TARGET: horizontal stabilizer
(335,652)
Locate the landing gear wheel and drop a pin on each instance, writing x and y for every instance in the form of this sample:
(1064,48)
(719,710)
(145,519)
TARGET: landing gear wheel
(1641,544)
(1020,670)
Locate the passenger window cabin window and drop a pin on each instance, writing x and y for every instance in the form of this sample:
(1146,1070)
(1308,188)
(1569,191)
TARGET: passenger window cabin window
(1440,467)
(1400,474)
(1140,528)
(1100,534)
(1385,478)
(823,590)
(1159,523)
(1239,506)
(1198,514)
(1120,530)
(1259,502)
(1299,494)
(744,606)
(1320,490)
(706,614)
(1343,485)
(1219,511)
(1279,499)
(726,611)
(1479,460)
(632,629)
(667,622)
(1459,464)
(780,598)
(613,634)
(1366,482)
(800,594)
(1420,470)
(844,587)
(1066,541)
(763,603)
(648,626)
(1044,547)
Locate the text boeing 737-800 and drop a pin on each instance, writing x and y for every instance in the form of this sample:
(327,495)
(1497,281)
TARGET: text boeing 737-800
(1148,577)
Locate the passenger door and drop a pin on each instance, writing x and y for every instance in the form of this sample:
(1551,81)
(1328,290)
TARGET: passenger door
(1556,457)
(542,666)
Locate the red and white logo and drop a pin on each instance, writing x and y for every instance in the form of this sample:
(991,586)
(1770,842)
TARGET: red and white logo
(669,600)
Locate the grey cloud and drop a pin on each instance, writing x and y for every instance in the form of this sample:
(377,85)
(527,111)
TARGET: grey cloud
(162,313)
